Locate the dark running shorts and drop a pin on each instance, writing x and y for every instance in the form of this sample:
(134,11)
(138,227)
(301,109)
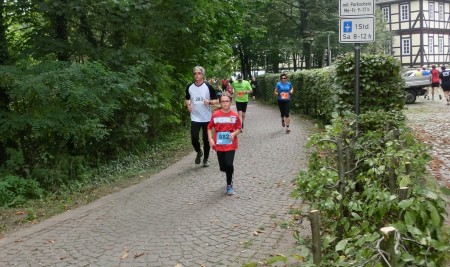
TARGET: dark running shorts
(241,106)
(435,85)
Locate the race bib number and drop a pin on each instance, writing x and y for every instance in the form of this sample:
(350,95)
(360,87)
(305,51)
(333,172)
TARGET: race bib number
(223,138)
(240,93)
(284,95)
(199,100)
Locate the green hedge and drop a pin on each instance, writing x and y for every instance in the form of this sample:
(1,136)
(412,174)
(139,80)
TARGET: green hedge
(320,92)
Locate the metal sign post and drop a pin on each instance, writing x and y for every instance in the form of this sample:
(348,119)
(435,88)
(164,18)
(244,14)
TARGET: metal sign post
(357,57)
(356,25)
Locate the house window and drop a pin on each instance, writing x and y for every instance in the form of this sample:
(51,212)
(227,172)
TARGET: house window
(430,45)
(406,46)
(441,12)
(388,48)
(385,14)
(404,12)
(441,45)
(431,11)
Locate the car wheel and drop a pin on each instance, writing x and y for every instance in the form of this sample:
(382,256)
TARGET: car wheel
(410,96)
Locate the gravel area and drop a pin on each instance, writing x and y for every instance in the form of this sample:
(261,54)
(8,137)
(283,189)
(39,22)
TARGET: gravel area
(430,121)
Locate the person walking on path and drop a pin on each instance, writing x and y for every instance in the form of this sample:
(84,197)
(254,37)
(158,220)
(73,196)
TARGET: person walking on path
(226,125)
(241,88)
(284,91)
(435,83)
(199,98)
(254,85)
(445,83)
(426,72)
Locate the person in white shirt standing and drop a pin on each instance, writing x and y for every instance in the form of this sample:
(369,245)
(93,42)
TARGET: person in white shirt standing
(199,98)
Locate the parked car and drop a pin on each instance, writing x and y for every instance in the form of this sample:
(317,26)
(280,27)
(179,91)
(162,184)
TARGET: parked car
(415,86)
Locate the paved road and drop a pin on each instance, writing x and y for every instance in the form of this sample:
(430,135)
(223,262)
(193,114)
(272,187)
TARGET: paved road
(181,216)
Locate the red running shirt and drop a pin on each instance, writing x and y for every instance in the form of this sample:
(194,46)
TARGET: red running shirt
(223,125)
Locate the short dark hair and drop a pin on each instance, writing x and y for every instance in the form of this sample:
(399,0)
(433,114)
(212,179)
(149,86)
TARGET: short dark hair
(283,75)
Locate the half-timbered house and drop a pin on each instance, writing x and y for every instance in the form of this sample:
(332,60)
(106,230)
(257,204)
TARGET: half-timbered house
(421,30)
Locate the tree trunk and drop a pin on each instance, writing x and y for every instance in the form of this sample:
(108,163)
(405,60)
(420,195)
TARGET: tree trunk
(4,56)
(60,26)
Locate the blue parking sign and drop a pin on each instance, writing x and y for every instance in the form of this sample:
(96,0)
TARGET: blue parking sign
(347,26)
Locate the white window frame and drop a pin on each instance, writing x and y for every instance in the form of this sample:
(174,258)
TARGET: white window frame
(406,46)
(388,48)
(440,45)
(386,14)
(430,45)
(448,45)
(441,12)
(431,10)
(404,12)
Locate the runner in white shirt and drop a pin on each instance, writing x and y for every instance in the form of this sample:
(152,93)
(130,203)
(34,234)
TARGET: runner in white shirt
(199,98)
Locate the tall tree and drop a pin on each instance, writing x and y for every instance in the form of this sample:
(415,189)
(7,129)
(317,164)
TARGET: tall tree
(4,55)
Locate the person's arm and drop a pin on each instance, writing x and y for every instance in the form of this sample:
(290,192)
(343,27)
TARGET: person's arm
(212,95)
(292,90)
(210,138)
(238,125)
(188,105)
(250,89)
(234,134)
(276,90)
(188,99)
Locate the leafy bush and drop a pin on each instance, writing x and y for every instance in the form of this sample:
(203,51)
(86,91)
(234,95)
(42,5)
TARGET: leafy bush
(321,92)
(16,190)
(354,195)
(381,85)
(63,118)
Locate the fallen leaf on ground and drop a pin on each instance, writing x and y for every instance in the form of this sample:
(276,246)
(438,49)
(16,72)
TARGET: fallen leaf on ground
(125,253)
(139,254)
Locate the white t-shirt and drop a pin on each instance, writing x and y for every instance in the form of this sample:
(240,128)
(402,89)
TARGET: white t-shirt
(197,94)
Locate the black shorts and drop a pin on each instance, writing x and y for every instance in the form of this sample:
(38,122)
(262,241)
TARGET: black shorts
(445,87)
(241,106)
(284,108)
(435,85)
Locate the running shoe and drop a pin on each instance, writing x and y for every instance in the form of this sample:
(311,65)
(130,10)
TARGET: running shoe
(230,190)
(199,157)
(288,130)
(205,163)
(440,97)
(282,123)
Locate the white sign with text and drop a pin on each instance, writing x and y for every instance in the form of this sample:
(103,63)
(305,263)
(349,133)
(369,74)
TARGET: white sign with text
(357,29)
(348,8)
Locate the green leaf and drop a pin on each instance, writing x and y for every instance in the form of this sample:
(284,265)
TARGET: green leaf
(409,218)
(278,258)
(341,245)
(434,214)
(413,230)
(356,216)
(327,241)
(405,181)
(354,231)
(406,257)
(430,194)
(404,204)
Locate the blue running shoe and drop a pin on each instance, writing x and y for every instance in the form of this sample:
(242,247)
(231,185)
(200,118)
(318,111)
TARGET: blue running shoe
(230,190)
